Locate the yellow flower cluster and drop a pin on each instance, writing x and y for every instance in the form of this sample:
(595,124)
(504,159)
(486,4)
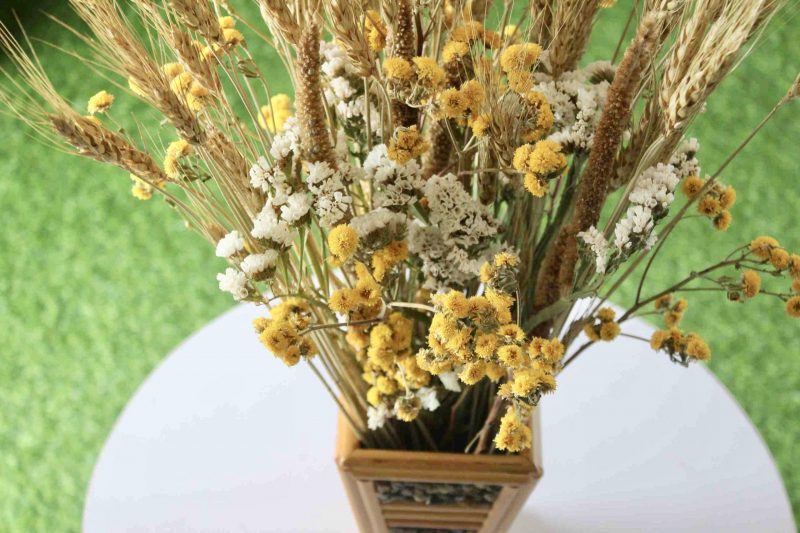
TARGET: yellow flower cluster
(514,435)
(540,162)
(544,116)
(421,71)
(477,336)
(454,103)
(672,311)
(768,250)
(751,283)
(176,151)
(281,333)
(362,302)
(390,368)
(681,347)
(387,257)
(184,85)
(342,242)
(519,57)
(230,35)
(473,31)
(406,144)
(141,190)
(603,326)
(715,203)
(100,102)
(375,30)
(273,116)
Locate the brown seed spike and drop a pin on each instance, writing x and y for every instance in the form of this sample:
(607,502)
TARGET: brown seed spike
(404,44)
(315,139)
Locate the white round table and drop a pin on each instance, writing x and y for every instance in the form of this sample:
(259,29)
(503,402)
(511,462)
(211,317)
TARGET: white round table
(223,437)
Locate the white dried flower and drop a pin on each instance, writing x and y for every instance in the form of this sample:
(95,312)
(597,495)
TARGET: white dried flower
(599,246)
(235,282)
(267,226)
(427,395)
(256,263)
(230,244)
(377,416)
(296,207)
(450,381)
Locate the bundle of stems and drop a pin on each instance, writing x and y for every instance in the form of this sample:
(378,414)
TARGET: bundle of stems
(429,221)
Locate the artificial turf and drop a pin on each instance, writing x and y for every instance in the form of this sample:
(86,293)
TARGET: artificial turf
(97,287)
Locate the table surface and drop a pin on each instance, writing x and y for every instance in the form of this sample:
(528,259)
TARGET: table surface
(223,437)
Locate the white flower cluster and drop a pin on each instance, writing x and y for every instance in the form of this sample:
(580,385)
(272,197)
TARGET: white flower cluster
(339,90)
(685,159)
(286,142)
(379,221)
(397,186)
(230,244)
(377,416)
(651,196)
(254,264)
(234,282)
(576,99)
(599,246)
(332,200)
(292,205)
(455,243)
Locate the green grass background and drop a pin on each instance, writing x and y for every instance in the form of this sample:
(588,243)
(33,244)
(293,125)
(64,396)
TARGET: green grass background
(97,287)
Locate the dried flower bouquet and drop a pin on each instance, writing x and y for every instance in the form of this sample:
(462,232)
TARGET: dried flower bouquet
(420,222)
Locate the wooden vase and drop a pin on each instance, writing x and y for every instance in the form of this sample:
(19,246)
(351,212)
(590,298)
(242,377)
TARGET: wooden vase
(394,491)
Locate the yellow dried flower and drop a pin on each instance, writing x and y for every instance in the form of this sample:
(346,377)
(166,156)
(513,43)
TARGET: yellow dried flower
(273,117)
(454,303)
(658,339)
(470,31)
(520,81)
(473,94)
(519,56)
(513,435)
(761,247)
(406,144)
(609,331)
(692,185)
(485,344)
(407,408)
(376,30)
(226,22)
(535,185)
(709,206)
(232,36)
(779,258)
(398,69)
(751,283)
(794,266)
(181,83)
(100,102)
(141,190)
(429,73)
(197,98)
(454,50)
(480,125)
(553,350)
(512,356)
(343,301)
(606,314)
(793,307)
(723,221)
(697,348)
(452,103)
(473,372)
(727,197)
(179,148)
(385,258)
(343,242)
(172,70)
